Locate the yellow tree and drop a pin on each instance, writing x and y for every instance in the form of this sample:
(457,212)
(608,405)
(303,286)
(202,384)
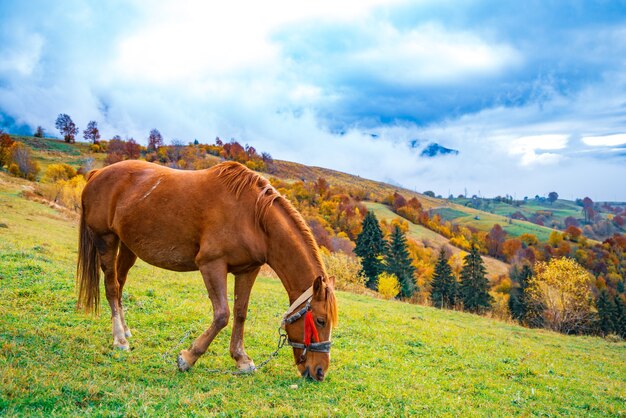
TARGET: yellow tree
(388,285)
(562,289)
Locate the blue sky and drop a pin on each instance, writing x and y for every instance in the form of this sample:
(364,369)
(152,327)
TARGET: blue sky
(532,94)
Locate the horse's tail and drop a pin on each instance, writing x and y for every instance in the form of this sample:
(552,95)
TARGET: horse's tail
(87,268)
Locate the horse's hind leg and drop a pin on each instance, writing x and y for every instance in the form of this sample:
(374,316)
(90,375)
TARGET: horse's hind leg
(214,275)
(243,286)
(125,260)
(108,248)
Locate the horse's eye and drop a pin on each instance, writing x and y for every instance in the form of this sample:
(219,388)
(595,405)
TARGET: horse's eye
(321,322)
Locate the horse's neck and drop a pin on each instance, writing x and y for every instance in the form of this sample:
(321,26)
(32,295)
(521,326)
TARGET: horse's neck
(291,255)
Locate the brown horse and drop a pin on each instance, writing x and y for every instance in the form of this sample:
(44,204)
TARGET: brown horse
(226,219)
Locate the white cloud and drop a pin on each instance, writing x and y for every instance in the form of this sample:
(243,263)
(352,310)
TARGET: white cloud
(529,146)
(431,53)
(606,140)
(21,58)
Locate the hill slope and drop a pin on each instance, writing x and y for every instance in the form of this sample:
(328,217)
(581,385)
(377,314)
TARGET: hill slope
(432,239)
(389,358)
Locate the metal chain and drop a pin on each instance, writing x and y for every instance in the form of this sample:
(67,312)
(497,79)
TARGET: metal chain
(282,340)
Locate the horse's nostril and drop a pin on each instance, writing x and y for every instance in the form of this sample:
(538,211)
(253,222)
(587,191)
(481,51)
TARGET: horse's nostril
(319,373)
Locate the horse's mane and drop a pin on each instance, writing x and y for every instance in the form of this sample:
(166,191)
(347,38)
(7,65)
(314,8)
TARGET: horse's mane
(239,178)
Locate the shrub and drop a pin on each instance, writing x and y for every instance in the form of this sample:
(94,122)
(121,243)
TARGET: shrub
(388,285)
(56,172)
(346,269)
(22,158)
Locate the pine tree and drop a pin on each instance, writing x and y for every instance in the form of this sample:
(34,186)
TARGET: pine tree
(518,299)
(370,247)
(443,291)
(474,288)
(398,263)
(606,312)
(619,317)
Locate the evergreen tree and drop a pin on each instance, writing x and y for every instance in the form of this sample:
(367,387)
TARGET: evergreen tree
(474,288)
(619,318)
(398,263)
(518,299)
(443,291)
(370,247)
(606,312)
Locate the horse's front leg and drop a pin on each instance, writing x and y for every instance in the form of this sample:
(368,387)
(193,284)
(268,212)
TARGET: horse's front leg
(214,275)
(243,286)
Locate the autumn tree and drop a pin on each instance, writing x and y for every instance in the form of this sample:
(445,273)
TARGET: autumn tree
(555,239)
(370,247)
(528,239)
(155,140)
(511,247)
(518,298)
(398,263)
(92,133)
(573,233)
(562,286)
(322,187)
(495,240)
(119,150)
(388,285)
(6,142)
(66,127)
(474,286)
(444,287)
(21,162)
(588,211)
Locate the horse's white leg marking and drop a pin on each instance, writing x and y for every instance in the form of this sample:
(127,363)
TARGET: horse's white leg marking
(127,332)
(119,339)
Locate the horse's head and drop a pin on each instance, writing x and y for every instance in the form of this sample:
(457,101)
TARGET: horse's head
(309,334)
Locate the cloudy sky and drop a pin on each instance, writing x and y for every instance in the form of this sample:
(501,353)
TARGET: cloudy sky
(532,94)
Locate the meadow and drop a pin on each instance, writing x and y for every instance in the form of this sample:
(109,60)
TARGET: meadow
(388,358)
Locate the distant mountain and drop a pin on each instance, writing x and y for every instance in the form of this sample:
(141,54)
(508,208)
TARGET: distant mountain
(434,149)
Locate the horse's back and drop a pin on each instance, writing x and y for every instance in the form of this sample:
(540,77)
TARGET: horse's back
(164,215)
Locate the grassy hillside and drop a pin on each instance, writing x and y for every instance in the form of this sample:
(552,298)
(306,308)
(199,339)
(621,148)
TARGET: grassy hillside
(432,239)
(377,190)
(389,358)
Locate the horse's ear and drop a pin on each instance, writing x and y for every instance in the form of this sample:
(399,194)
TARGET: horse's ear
(331,281)
(318,287)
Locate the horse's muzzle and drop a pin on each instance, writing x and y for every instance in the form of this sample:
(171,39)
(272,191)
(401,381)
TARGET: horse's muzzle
(319,374)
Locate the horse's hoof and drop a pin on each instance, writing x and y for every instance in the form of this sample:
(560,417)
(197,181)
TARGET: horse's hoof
(122,347)
(183,366)
(248,367)
(127,333)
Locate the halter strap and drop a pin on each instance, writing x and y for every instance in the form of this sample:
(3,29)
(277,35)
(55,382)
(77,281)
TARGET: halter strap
(305,297)
(323,347)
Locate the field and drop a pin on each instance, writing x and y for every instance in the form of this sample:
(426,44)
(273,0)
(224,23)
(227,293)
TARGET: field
(388,358)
